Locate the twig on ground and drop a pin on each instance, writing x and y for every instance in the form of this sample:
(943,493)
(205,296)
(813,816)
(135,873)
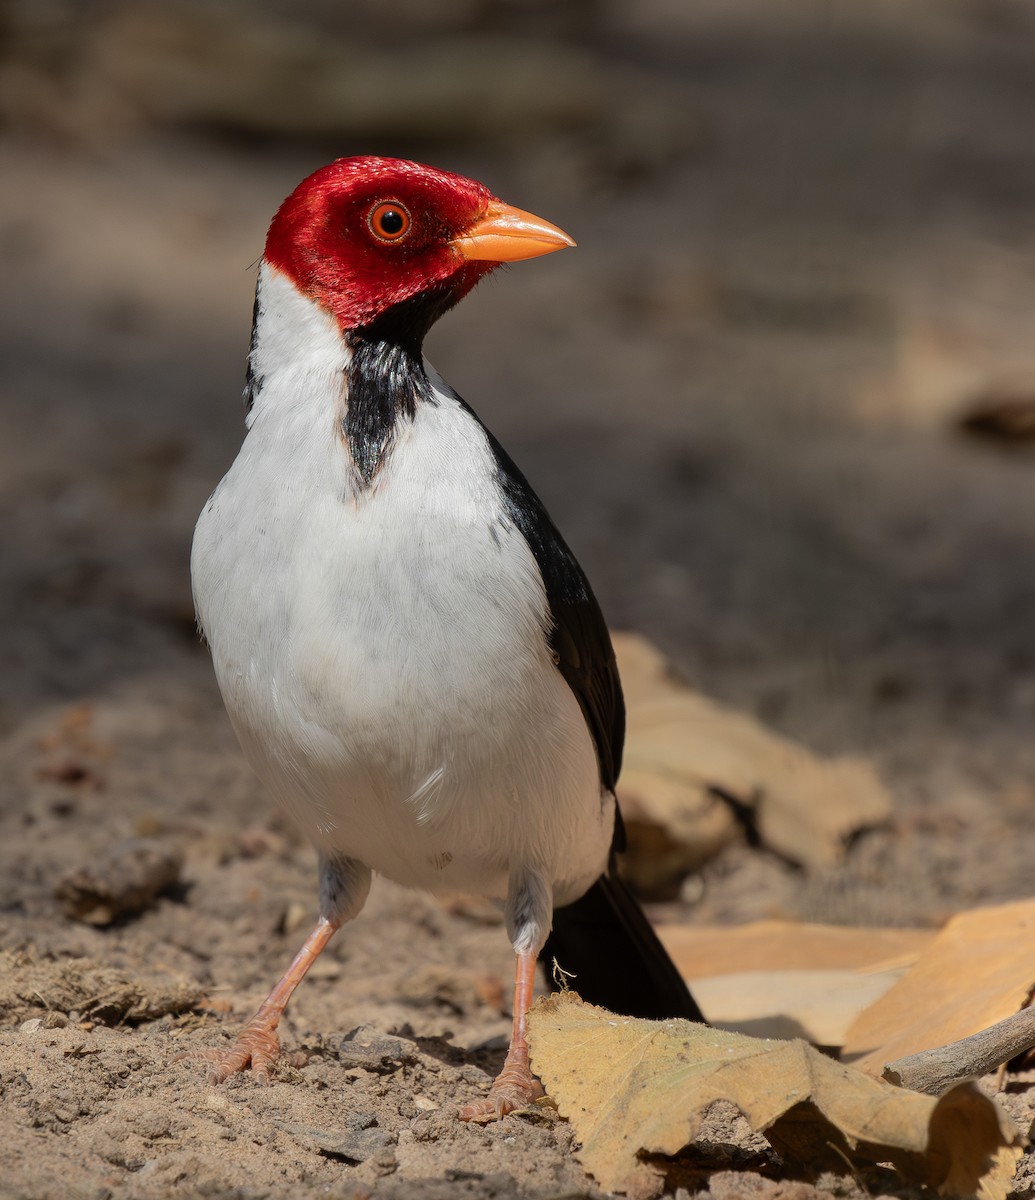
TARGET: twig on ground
(936,1071)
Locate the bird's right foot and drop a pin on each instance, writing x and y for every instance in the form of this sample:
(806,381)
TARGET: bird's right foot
(257,1045)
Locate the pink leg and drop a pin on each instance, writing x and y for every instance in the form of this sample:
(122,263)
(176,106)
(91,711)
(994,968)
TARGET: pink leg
(257,1043)
(514,1087)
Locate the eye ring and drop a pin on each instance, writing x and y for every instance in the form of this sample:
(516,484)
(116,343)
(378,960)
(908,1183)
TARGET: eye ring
(389,221)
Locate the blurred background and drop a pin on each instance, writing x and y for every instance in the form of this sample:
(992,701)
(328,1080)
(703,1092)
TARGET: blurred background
(781,400)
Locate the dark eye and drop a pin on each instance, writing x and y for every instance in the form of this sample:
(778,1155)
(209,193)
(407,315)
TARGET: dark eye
(389,221)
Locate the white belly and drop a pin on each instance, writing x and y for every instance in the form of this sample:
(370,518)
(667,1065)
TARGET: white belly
(383,657)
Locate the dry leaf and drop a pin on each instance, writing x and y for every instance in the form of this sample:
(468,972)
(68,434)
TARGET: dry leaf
(819,1006)
(788,979)
(681,748)
(632,1087)
(979,969)
(673,827)
(701,951)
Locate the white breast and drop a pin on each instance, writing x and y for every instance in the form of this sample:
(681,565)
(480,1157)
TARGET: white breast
(382,654)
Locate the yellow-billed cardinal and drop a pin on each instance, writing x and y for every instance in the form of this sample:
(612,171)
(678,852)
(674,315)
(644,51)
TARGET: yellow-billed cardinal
(411,656)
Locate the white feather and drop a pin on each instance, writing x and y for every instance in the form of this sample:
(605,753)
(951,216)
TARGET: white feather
(382,655)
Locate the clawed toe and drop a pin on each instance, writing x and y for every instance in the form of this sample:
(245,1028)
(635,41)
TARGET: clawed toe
(255,1046)
(514,1089)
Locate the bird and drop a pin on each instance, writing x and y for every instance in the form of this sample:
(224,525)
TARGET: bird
(412,658)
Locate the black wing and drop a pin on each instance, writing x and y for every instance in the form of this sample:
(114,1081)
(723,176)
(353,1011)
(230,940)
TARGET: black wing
(604,938)
(578,638)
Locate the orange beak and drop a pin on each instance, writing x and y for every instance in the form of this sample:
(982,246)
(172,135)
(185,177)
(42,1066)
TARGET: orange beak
(505,234)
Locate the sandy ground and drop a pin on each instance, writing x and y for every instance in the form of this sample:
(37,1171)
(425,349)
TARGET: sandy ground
(740,400)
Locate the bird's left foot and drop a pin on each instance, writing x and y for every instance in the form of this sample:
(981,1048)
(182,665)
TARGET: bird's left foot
(515,1087)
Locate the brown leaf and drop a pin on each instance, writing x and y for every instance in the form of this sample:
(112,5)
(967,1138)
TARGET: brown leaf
(632,1087)
(702,951)
(673,826)
(818,1006)
(788,979)
(682,748)
(979,969)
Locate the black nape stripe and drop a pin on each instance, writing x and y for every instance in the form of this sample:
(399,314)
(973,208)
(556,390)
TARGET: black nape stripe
(252,382)
(386,380)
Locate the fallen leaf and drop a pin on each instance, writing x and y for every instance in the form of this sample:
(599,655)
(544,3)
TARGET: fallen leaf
(818,1006)
(979,969)
(701,951)
(788,979)
(673,826)
(683,750)
(632,1088)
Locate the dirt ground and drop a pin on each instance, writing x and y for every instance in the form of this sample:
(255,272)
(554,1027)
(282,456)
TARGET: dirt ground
(806,250)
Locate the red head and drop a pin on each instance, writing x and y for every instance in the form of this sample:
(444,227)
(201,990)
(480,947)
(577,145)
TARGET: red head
(363,234)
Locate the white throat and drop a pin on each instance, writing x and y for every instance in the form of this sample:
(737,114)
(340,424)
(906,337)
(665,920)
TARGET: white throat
(297,349)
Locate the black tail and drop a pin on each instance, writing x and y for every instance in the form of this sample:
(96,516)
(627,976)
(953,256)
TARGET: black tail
(614,957)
